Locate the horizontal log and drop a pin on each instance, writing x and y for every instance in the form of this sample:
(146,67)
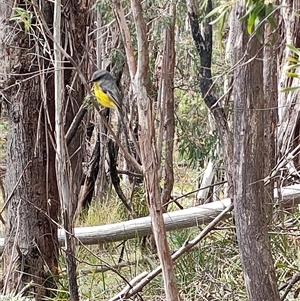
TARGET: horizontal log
(173,220)
(142,226)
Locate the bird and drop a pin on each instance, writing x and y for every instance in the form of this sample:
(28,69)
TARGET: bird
(109,96)
(106,90)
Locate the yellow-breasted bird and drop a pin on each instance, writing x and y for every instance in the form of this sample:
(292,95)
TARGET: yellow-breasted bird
(106,90)
(108,95)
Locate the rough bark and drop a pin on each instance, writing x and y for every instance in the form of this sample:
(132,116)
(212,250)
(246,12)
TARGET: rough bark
(249,150)
(75,21)
(271,112)
(88,187)
(288,103)
(28,85)
(31,243)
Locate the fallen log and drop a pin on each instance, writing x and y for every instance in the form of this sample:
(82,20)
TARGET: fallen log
(175,220)
(142,226)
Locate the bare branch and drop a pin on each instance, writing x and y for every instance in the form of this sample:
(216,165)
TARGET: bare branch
(168,124)
(127,156)
(75,124)
(120,17)
(63,166)
(142,39)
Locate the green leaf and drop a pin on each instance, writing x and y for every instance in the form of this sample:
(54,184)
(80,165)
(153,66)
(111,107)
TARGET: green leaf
(248,12)
(255,18)
(269,10)
(218,10)
(292,67)
(23,16)
(294,49)
(289,89)
(293,74)
(292,60)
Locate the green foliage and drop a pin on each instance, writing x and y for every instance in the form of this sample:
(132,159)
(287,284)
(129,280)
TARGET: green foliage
(195,142)
(138,204)
(290,89)
(88,102)
(117,58)
(210,271)
(294,64)
(221,12)
(193,146)
(257,13)
(105,9)
(294,60)
(23,16)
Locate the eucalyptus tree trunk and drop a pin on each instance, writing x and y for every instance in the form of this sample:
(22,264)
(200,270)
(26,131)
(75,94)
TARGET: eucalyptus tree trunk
(32,203)
(27,84)
(250,196)
(139,71)
(149,154)
(270,78)
(64,172)
(166,109)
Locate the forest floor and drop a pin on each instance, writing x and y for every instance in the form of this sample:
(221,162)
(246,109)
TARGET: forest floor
(210,271)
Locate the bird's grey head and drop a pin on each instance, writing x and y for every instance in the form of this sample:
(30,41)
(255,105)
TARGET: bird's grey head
(100,74)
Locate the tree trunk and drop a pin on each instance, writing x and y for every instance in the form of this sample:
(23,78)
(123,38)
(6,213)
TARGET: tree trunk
(148,153)
(288,103)
(204,45)
(249,150)
(271,112)
(31,246)
(166,108)
(31,236)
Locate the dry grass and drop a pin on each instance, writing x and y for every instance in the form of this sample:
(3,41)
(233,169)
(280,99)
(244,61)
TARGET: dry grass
(211,271)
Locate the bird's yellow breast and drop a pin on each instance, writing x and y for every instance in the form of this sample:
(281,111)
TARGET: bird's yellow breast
(103,98)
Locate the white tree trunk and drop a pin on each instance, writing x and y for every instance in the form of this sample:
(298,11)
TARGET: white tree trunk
(207,179)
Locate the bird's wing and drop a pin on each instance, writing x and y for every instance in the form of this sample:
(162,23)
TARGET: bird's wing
(112,91)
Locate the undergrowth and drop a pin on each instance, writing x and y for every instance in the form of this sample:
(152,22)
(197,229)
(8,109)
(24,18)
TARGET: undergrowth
(210,271)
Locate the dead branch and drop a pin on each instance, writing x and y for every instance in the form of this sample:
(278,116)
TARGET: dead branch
(112,153)
(75,124)
(289,285)
(127,156)
(120,17)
